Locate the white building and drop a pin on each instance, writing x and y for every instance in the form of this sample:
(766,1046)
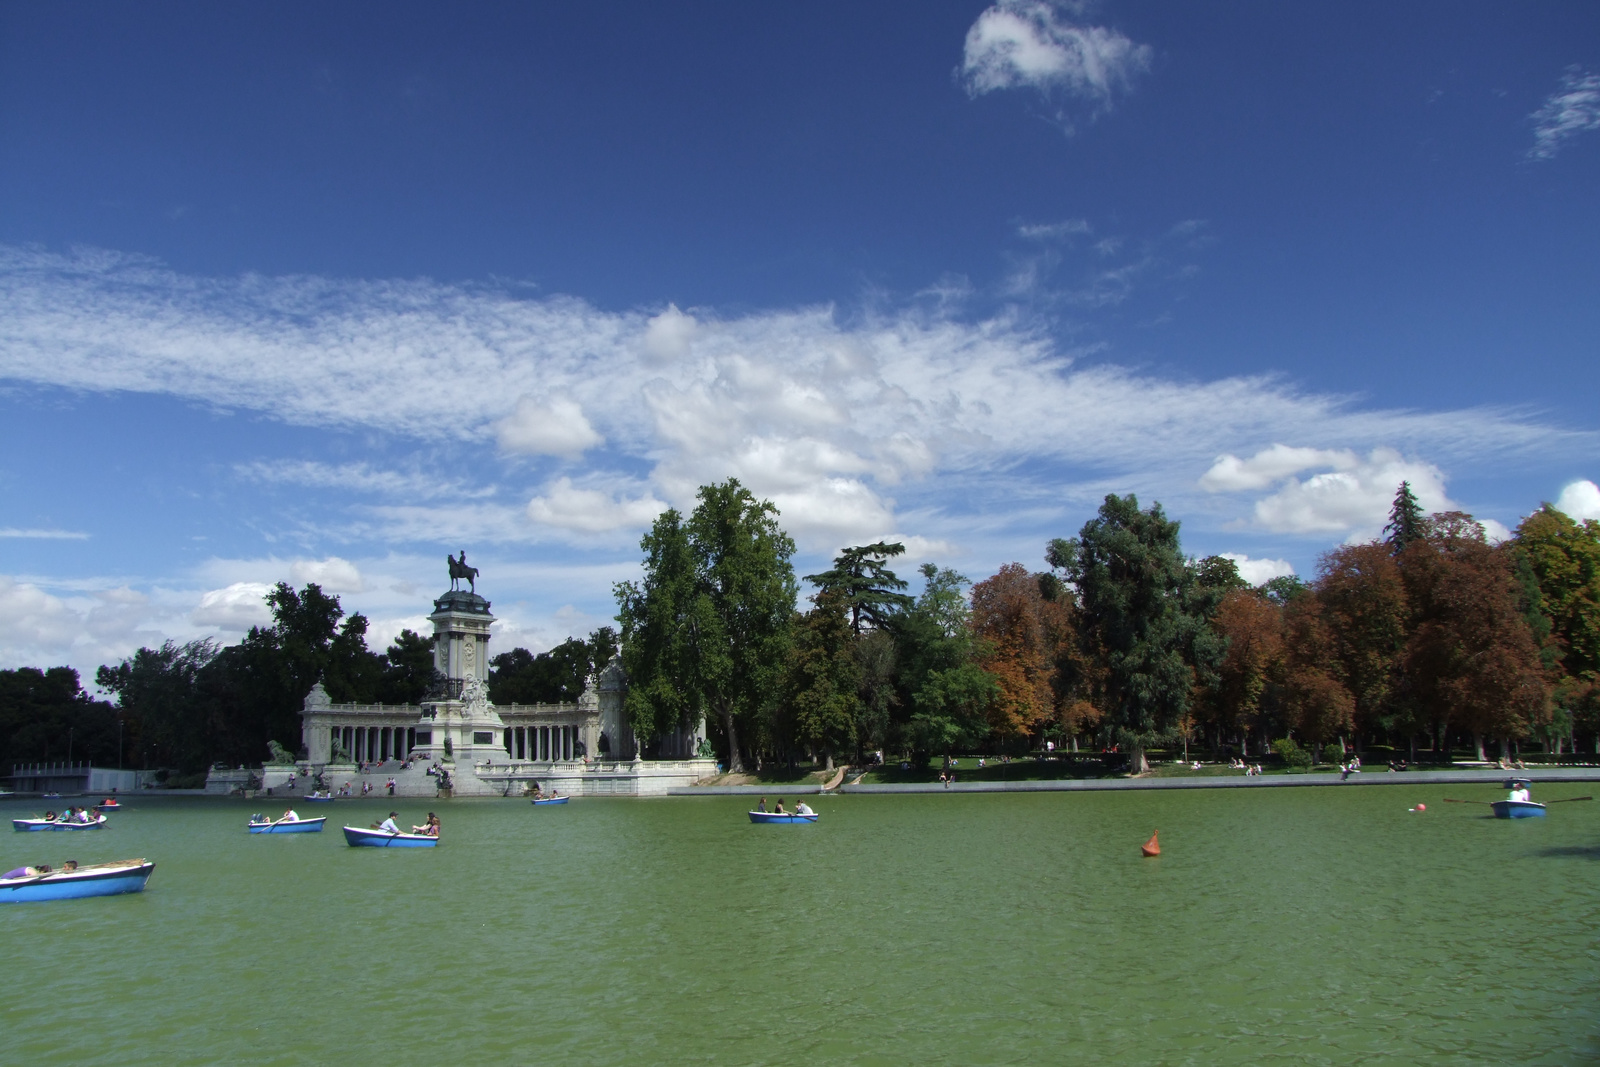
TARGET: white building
(488,750)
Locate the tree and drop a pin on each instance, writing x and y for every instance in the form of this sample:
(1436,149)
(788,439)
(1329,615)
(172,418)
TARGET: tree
(1471,661)
(1363,599)
(1315,697)
(1140,601)
(943,693)
(1020,636)
(869,588)
(823,678)
(1252,625)
(711,621)
(46,715)
(1562,559)
(1405,519)
(408,669)
(159,688)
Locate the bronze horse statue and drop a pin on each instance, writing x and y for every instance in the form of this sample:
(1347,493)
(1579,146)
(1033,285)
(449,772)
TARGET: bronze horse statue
(459,571)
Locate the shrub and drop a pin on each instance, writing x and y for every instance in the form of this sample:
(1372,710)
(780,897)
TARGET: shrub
(1292,754)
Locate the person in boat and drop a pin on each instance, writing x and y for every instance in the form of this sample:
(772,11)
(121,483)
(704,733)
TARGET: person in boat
(388,825)
(433,825)
(761,805)
(69,866)
(803,808)
(778,808)
(1520,792)
(50,816)
(290,816)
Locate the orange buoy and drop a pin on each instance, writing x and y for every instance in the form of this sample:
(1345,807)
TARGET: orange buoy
(1151,847)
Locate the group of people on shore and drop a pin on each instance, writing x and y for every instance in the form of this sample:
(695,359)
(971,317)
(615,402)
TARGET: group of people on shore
(1250,769)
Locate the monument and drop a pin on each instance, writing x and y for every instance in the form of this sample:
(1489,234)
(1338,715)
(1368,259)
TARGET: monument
(580,748)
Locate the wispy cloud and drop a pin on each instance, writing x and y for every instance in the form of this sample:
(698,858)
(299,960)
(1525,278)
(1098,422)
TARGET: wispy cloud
(1032,44)
(849,424)
(1570,110)
(44,535)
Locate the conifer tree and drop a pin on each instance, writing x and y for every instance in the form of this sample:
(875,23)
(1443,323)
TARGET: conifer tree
(1405,519)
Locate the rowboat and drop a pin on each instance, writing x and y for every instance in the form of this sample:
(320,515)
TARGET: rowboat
(57,824)
(551,800)
(285,826)
(108,805)
(1517,809)
(782,817)
(94,880)
(313,798)
(355,836)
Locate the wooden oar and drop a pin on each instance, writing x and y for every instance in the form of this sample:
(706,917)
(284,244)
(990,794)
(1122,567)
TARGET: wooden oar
(1449,800)
(1567,800)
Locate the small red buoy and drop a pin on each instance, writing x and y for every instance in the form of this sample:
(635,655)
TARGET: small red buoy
(1151,847)
(1422,807)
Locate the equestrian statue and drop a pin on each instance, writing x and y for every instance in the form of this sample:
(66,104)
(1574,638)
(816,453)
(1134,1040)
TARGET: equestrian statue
(460,570)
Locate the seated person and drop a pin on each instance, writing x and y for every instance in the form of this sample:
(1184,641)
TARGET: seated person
(70,865)
(290,816)
(388,825)
(778,808)
(50,816)
(761,805)
(1519,792)
(803,808)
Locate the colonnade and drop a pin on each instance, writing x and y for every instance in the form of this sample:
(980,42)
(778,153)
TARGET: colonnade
(374,744)
(542,744)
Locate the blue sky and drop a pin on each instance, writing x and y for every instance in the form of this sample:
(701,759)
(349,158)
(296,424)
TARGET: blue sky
(292,292)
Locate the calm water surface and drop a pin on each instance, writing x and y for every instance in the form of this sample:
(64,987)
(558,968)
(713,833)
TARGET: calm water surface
(1317,925)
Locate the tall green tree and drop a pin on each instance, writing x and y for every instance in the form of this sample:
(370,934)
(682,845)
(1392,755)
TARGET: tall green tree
(823,679)
(1405,519)
(944,693)
(46,715)
(870,590)
(707,631)
(1142,604)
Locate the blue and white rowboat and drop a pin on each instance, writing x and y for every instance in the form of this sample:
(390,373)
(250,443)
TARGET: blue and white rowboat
(1517,809)
(782,817)
(57,824)
(95,880)
(300,826)
(354,835)
(551,800)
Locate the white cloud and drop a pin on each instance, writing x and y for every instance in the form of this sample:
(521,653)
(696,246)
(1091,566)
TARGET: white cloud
(1354,500)
(1580,500)
(1054,231)
(361,477)
(1231,474)
(553,427)
(30,619)
(568,507)
(333,574)
(1567,112)
(235,607)
(1259,571)
(1354,496)
(1494,531)
(43,535)
(822,416)
(669,334)
(1026,43)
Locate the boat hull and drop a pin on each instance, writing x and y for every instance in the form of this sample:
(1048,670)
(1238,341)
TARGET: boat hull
(1517,809)
(304,826)
(357,837)
(784,818)
(317,800)
(101,880)
(35,825)
(552,800)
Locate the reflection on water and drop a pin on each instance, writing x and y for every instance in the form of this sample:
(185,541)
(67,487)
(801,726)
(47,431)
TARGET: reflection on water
(1323,926)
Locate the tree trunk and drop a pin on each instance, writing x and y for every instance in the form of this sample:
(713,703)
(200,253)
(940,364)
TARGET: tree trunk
(1505,750)
(829,764)
(1137,764)
(1411,743)
(735,764)
(1477,743)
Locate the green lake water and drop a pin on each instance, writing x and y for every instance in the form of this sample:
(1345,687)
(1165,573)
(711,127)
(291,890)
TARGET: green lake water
(1303,926)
